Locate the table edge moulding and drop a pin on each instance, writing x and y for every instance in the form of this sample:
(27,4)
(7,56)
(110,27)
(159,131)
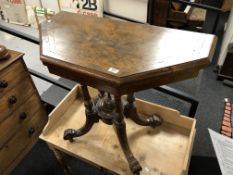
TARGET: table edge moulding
(107,81)
(119,58)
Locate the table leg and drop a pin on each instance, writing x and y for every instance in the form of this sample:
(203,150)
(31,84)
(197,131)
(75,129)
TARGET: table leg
(120,128)
(60,157)
(130,111)
(91,117)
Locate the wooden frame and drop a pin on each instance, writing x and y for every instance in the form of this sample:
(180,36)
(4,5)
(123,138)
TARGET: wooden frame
(166,149)
(160,13)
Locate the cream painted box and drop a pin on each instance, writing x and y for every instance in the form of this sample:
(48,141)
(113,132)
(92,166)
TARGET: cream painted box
(14,11)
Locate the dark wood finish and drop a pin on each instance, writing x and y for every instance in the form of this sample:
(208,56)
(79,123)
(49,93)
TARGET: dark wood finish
(9,76)
(130,111)
(91,118)
(162,13)
(177,6)
(105,107)
(119,58)
(177,16)
(4,54)
(120,128)
(227,68)
(110,111)
(22,116)
(84,48)
(158,12)
(14,56)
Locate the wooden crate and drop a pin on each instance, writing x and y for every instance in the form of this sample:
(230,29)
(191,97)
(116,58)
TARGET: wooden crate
(163,150)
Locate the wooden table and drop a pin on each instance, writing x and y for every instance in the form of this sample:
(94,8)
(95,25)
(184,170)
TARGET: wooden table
(119,58)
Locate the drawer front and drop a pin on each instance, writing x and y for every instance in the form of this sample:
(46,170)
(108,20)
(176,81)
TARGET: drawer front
(23,114)
(12,76)
(22,142)
(14,98)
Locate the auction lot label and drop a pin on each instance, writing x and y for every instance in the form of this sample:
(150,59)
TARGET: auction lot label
(83,7)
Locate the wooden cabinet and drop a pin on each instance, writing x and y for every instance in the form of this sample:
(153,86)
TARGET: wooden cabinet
(22,115)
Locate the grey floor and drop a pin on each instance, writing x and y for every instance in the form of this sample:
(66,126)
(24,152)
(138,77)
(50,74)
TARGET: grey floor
(49,93)
(205,88)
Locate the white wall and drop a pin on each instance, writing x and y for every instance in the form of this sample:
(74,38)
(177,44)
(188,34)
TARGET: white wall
(51,4)
(36,3)
(133,9)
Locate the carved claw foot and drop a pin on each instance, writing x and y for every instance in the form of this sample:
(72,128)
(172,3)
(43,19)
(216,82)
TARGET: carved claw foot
(69,134)
(130,111)
(91,118)
(120,129)
(154,121)
(134,166)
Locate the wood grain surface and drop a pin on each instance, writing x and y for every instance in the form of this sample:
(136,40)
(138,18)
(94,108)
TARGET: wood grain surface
(115,52)
(17,133)
(9,75)
(14,123)
(14,56)
(8,109)
(22,142)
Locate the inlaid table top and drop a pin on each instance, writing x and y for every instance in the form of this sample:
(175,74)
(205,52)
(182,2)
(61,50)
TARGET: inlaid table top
(120,56)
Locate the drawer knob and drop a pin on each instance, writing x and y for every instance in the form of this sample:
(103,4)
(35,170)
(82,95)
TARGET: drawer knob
(3,84)
(23,116)
(31,131)
(12,99)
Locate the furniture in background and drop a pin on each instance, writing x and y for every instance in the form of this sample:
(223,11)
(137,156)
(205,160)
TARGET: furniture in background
(22,115)
(180,13)
(109,56)
(175,14)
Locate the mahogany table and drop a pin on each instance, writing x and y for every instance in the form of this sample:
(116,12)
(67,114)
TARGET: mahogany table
(119,58)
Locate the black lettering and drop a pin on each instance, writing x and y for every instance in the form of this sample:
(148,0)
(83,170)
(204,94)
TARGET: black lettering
(90,5)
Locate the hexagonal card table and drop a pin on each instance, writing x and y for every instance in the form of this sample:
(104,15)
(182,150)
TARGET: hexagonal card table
(119,58)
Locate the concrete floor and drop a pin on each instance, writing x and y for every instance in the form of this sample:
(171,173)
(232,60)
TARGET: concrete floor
(49,93)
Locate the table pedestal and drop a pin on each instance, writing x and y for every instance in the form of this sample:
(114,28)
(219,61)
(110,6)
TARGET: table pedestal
(110,110)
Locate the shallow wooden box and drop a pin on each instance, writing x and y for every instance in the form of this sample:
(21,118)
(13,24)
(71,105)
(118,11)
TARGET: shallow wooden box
(164,150)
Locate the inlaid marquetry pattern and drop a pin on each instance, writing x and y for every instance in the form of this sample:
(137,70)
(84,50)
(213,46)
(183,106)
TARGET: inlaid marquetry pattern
(120,48)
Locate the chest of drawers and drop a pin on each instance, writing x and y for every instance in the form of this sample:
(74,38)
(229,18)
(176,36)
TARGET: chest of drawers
(22,116)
